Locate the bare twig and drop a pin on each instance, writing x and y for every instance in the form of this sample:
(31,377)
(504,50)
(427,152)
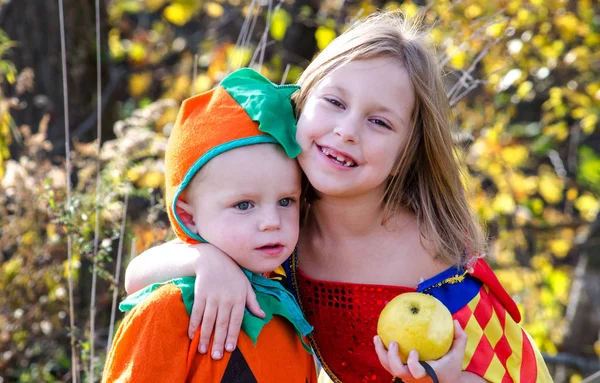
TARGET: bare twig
(194,75)
(63,51)
(241,38)
(595,377)
(98,191)
(263,43)
(285,74)
(118,273)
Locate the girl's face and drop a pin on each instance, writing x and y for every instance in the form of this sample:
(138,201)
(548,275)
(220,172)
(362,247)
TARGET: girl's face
(354,125)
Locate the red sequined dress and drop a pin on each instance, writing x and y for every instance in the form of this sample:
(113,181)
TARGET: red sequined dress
(344,316)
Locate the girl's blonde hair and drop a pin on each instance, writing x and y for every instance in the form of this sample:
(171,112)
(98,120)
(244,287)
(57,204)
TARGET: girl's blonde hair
(427,176)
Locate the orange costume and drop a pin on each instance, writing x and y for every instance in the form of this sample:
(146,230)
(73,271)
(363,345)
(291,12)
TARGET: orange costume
(151,344)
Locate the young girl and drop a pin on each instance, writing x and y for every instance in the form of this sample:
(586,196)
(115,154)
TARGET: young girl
(386,214)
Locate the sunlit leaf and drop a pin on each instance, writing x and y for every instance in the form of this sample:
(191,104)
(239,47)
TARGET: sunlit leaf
(504,203)
(139,83)
(214,9)
(279,24)
(324,36)
(551,186)
(588,206)
(178,14)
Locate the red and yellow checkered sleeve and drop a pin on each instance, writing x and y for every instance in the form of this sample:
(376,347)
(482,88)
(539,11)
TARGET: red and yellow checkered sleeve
(498,349)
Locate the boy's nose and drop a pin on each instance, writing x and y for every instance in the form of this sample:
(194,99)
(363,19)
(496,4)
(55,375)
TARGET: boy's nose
(270,220)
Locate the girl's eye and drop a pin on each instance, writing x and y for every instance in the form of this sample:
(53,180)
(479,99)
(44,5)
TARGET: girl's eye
(244,205)
(335,102)
(380,123)
(285,202)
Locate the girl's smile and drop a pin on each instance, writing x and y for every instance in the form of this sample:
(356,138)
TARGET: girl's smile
(338,158)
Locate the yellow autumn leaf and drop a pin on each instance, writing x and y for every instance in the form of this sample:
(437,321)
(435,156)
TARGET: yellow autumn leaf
(213,9)
(588,206)
(559,247)
(504,203)
(202,84)
(153,180)
(588,123)
(597,347)
(154,5)
(136,52)
(169,116)
(114,44)
(28,238)
(522,187)
(575,378)
(324,36)
(515,156)
(279,23)
(178,14)
(551,186)
(410,9)
(139,83)
(560,284)
(458,59)
(239,56)
(567,25)
(133,175)
(473,11)
(524,89)
(572,193)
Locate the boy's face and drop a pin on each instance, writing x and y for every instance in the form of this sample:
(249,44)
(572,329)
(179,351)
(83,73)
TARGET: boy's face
(246,202)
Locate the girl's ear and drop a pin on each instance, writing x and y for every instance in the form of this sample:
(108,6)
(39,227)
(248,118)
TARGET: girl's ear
(186,214)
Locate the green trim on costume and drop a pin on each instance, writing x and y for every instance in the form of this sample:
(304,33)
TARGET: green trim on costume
(266,103)
(272,297)
(212,153)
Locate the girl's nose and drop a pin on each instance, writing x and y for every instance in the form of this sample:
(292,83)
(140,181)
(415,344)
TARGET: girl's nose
(270,220)
(347,129)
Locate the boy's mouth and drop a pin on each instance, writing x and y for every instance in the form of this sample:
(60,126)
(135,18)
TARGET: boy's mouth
(271,249)
(338,157)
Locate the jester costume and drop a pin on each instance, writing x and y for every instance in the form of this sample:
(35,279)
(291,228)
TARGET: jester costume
(151,344)
(345,319)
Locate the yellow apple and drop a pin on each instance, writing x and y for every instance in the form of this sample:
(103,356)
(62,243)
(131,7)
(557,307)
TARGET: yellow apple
(418,322)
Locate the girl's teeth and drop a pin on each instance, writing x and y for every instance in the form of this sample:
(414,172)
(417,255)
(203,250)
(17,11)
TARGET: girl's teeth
(340,159)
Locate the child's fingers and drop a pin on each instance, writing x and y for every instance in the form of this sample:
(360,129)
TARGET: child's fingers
(381,352)
(221,327)
(208,323)
(235,324)
(397,368)
(414,367)
(196,316)
(460,339)
(252,303)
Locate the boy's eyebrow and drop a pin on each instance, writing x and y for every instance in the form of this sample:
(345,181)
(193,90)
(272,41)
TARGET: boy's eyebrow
(339,88)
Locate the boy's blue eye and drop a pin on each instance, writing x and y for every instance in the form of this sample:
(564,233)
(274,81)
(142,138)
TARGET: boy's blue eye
(285,202)
(244,205)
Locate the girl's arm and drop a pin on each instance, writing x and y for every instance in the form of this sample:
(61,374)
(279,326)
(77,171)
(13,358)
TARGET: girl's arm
(448,368)
(157,265)
(220,294)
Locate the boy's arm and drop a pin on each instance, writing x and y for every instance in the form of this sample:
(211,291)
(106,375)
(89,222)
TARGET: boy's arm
(220,294)
(151,344)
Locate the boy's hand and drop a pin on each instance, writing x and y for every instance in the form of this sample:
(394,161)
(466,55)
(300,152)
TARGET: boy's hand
(220,294)
(448,368)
